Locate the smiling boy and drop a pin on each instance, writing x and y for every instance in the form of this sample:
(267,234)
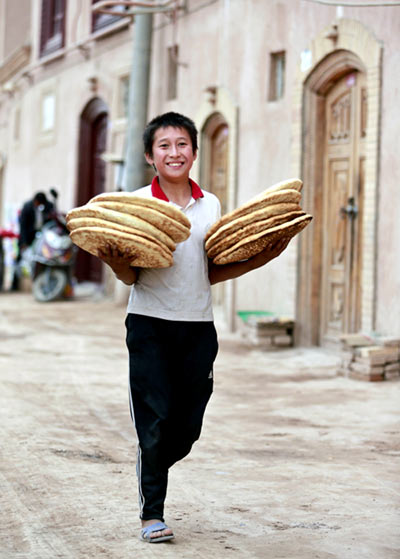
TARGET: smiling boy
(171,338)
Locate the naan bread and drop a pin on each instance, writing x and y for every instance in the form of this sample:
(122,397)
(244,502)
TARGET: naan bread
(292,184)
(139,251)
(266,199)
(236,224)
(252,245)
(78,222)
(251,229)
(129,221)
(154,203)
(168,225)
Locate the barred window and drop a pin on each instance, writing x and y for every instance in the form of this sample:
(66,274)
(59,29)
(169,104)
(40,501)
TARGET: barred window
(99,20)
(276,76)
(172,85)
(52,33)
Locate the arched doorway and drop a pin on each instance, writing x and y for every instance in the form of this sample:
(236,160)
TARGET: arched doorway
(214,176)
(335,115)
(344,51)
(91,175)
(342,206)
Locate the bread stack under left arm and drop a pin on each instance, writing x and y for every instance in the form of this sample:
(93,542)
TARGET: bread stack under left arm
(272,215)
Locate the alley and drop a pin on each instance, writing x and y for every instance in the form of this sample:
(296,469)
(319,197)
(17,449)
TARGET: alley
(294,462)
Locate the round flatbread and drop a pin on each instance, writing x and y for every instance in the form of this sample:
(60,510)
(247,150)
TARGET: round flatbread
(292,184)
(139,251)
(154,203)
(130,221)
(236,224)
(283,196)
(250,246)
(251,229)
(78,222)
(170,226)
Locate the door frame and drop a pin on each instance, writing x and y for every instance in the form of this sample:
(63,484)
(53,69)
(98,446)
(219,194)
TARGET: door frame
(219,100)
(309,288)
(353,48)
(210,127)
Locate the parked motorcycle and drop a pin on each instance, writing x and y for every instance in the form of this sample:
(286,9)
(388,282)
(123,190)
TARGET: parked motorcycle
(53,257)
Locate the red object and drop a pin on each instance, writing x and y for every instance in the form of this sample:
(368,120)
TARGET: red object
(8,234)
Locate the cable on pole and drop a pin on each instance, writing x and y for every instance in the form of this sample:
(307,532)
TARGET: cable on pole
(361,4)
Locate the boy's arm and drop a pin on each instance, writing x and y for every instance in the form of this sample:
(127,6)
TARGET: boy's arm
(218,273)
(119,264)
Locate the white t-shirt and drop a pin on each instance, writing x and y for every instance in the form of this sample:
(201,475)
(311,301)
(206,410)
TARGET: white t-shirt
(182,291)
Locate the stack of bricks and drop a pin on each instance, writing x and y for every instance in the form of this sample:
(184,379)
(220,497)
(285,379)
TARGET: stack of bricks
(370,359)
(267,333)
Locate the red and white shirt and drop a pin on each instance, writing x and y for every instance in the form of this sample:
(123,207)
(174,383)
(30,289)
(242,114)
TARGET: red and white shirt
(182,291)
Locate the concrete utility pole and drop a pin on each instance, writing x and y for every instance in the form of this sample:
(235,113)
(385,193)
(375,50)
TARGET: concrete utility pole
(134,170)
(134,174)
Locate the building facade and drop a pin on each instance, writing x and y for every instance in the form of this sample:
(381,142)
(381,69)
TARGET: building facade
(277,88)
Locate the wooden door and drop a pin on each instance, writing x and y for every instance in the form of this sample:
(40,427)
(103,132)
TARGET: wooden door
(218,185)
(91,176)
(344,156)
(219,165)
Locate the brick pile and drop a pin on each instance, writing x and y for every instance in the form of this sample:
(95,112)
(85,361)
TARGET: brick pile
(370,359)
(267,333)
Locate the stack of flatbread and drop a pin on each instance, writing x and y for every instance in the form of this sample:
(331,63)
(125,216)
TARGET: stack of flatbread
(272,215)
(145,230)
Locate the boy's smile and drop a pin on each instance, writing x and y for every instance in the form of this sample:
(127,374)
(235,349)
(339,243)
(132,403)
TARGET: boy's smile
(173,154)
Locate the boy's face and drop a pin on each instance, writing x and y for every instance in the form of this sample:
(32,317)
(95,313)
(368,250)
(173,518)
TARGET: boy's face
(173,154)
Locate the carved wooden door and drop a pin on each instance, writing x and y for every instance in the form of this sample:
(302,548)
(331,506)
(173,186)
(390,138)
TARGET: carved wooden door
(342,207)
(218,184)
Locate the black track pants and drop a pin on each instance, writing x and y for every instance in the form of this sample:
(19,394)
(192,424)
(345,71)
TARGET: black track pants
(171,381)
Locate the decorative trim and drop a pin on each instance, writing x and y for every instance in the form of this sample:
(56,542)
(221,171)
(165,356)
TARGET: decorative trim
(15,62)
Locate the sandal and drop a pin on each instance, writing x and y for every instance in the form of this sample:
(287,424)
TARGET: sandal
(145,533)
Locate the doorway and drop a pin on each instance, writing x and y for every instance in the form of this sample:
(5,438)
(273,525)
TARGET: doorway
(91,175)
(331,290)
(342,207)
(214,176)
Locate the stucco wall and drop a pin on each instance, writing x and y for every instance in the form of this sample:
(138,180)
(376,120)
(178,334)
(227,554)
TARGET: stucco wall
(236,39)
(223,43)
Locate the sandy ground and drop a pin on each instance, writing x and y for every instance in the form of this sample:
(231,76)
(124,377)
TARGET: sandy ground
(294,462)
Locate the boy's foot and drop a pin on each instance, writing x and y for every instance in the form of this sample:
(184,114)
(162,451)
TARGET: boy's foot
(155,531)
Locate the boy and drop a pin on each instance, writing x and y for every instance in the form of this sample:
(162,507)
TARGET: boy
(171,336)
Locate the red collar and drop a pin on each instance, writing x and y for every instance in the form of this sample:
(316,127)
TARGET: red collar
(158,192)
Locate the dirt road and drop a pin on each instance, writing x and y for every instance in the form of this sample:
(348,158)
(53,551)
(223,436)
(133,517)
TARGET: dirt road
(294,462)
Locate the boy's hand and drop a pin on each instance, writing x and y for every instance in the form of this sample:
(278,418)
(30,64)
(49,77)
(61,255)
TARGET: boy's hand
(225,272)
(119,261)
(269,253)
(113,256)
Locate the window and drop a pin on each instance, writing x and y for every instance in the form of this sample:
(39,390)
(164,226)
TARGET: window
(276,76)
(99,20)
(172,85)
(48,112)
(123,97)
(52,34)
(17,124)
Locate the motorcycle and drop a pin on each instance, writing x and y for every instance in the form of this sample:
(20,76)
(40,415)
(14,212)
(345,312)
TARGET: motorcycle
(52,260)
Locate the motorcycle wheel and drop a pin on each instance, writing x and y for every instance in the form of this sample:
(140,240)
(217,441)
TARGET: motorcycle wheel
(49,285)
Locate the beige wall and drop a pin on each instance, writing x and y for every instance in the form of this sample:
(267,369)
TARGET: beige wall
(225,43)
(17,30)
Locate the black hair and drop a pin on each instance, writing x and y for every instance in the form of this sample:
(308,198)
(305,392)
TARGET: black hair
(40,198)
(175,120)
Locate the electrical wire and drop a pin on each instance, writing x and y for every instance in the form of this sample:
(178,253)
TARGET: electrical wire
(362,4)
